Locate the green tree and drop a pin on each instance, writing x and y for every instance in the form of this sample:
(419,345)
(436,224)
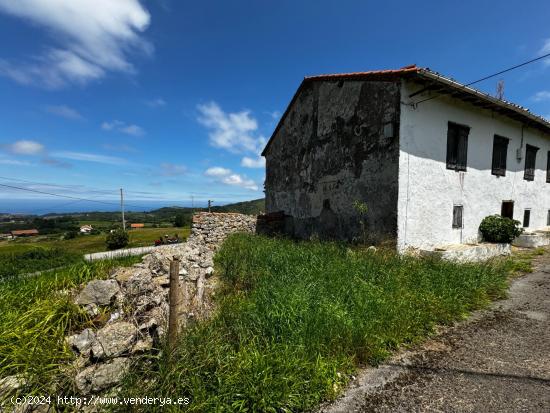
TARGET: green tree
(117,239)
(182,220)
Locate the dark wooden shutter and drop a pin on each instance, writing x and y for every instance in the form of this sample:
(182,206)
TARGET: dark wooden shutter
(548,168)
(462,156)
(452,146)
(526,218)
(457,216)
(530,162)
(500,152)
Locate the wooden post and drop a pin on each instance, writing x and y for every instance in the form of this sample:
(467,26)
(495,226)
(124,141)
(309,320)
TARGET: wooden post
(175,295)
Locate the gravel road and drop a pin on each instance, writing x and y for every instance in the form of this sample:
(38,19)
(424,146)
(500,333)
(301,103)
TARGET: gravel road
(499,361)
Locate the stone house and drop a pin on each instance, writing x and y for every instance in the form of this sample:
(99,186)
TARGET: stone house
(430,158)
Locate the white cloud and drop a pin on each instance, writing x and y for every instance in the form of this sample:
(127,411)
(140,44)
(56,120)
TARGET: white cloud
(25,147)
(228,177)
(89,157)
(64,111)
(155,103)
(545,49)
(258,162)
(238,180)
(92,37)
(133,130)
(275,114)
(541,96)
(123,127)
(231,131)
(217,171)
(170,169)
(14,162)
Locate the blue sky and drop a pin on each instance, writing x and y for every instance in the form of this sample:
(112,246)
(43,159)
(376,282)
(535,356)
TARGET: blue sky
(172,99)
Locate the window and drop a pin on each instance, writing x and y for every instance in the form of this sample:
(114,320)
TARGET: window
(548,218)
(548,168)
(507,209)
(530,161)
(458,213)
(500,149)
(526,218)
(457,146)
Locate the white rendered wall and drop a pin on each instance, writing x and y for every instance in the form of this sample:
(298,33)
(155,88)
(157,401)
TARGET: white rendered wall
(428,191)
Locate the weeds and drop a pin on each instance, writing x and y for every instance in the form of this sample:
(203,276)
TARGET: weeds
(295,319)
(36,259)
(36,313)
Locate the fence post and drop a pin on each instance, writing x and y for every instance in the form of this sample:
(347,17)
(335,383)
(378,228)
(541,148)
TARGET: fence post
(175,295)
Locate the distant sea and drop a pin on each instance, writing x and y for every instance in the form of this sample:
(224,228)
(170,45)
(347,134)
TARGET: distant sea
(45,206)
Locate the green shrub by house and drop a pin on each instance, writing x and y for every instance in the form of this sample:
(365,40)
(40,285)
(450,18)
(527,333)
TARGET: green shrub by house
(496,228)
(294,320)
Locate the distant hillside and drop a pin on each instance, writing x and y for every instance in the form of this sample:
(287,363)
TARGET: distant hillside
(253,207)
(54,222)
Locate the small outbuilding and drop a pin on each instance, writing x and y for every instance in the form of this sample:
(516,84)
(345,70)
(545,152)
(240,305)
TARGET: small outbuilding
(137,226)
(24,233)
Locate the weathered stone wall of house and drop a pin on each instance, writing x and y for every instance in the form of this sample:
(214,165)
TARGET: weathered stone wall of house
(338,144)
(131,307)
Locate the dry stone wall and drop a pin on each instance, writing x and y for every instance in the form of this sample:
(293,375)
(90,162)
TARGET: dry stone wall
(132,305)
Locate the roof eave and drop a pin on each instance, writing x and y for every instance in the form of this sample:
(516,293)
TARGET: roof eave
(487,101)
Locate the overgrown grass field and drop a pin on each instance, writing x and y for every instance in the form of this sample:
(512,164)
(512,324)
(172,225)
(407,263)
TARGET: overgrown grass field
(85,244)
(33,260)
(35,315)
(294,320)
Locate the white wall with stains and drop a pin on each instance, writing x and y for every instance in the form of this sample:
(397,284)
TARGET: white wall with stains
(428,190)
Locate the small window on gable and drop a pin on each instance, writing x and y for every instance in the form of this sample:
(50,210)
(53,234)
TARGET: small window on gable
(457,146)
(526,218)
(548,167)
(500,150)
(530,162)
(458,216)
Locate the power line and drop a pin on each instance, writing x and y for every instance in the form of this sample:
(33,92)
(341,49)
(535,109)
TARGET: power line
(491,76)
(204,195)
(77,199)
(67,196)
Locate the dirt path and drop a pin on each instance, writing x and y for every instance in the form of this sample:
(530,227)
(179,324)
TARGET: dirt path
(497,362)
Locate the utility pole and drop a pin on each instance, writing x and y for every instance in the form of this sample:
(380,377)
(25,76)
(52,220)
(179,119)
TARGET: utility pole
(122,209)
(209,204)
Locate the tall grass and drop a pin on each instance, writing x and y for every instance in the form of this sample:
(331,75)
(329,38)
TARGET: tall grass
(35,259)
(295,319)
(36,313)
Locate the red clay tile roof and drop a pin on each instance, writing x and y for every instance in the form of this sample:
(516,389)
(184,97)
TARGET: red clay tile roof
(24,232)
(370,74)
(435,82)
(137,225)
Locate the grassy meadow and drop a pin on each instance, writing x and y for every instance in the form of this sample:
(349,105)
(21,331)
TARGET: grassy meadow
(295,320)
(85,244)
(35,259)
(36,313)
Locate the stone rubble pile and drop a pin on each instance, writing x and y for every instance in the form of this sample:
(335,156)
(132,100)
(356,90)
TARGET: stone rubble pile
(132,305)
